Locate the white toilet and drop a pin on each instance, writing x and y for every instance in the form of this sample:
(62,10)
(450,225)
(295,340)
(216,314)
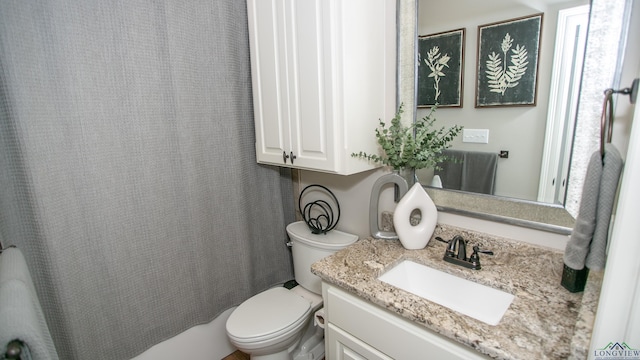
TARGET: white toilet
(278,323)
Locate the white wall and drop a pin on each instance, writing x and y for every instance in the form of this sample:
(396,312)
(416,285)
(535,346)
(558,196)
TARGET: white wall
(519,130)
(354,192)
(618,316)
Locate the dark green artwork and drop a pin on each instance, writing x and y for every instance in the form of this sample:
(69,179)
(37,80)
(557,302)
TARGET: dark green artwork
(440,68)
(508,62)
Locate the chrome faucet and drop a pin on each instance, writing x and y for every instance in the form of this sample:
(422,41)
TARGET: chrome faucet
(456,253)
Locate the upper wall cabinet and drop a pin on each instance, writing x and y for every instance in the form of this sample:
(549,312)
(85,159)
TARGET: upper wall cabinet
(323,74)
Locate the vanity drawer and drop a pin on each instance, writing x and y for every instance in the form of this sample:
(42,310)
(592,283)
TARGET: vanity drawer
(344,346)
(388,333)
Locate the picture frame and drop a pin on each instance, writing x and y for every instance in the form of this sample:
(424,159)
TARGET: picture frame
(507,62)
(440,68)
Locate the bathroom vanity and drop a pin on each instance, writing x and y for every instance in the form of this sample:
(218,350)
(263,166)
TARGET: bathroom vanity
(368,318)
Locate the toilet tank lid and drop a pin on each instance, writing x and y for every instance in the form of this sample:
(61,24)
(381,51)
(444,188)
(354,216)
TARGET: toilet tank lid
(332,240)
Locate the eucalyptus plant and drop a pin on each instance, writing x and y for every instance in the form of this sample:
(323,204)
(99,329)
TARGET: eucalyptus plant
(416,146)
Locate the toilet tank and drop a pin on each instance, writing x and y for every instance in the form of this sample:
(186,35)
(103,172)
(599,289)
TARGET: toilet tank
(308,248)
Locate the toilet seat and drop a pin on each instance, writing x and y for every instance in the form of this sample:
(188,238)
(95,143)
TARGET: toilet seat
(268,315)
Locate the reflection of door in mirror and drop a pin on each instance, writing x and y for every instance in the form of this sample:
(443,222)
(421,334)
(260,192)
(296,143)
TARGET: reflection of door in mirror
(520,130)
(571,38)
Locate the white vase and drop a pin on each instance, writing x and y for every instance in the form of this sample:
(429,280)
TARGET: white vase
(415,237)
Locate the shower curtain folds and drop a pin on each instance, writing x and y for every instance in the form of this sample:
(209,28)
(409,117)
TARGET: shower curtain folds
(127,168)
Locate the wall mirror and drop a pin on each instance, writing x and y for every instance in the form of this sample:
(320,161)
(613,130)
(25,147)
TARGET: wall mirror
(540,150)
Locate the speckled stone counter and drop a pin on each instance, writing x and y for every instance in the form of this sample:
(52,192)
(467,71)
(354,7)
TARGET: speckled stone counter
(545,321)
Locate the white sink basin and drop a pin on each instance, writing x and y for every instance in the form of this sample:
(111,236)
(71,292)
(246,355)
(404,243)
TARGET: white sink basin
(467,297)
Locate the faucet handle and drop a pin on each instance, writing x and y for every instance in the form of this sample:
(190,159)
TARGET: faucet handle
(477,250)
(474,259)
(442,240)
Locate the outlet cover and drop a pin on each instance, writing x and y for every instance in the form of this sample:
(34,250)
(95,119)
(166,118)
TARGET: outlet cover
(479,136)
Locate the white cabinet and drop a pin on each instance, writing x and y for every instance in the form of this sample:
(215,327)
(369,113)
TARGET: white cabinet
(323,74)
(344,346)
(357,329)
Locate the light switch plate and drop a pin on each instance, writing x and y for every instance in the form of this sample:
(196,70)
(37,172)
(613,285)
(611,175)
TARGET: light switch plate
(480,136)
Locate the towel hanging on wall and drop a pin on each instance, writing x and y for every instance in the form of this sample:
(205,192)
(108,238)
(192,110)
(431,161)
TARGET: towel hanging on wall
(472,171)
(611,169)
(21,317)
(586,249)
(588,241)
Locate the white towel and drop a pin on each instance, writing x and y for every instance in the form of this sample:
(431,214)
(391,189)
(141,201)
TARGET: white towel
(588,241)
(21,317)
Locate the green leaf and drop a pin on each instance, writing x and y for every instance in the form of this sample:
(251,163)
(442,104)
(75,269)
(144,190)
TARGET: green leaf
(416,146)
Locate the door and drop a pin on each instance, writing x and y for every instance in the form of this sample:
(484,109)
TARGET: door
(292,81)
(563,103)
(310,82)
(267,35)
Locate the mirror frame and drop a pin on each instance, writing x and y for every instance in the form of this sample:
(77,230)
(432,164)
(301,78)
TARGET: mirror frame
(530,214)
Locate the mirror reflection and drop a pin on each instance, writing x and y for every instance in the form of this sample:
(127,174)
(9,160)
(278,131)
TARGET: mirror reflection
(537,138)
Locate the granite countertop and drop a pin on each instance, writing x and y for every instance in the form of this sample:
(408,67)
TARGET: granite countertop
(544,321)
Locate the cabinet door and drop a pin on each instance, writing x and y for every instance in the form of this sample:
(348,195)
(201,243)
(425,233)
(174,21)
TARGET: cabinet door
(343,346)
(290,73)
(267,34)
(310,83)
(320,84)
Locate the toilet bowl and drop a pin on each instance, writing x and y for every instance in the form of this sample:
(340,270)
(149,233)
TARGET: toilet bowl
(277,324)
(269,322)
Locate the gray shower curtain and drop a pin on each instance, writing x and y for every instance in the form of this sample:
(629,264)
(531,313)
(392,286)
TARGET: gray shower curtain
(127,168)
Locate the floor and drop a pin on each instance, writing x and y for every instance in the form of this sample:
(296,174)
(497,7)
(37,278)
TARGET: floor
(238,355)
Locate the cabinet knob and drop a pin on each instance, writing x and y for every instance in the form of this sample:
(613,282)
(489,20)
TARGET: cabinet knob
(293,157)
(285,157)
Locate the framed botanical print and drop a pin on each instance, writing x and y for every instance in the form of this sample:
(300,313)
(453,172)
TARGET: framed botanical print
(440,69)
(507,69)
